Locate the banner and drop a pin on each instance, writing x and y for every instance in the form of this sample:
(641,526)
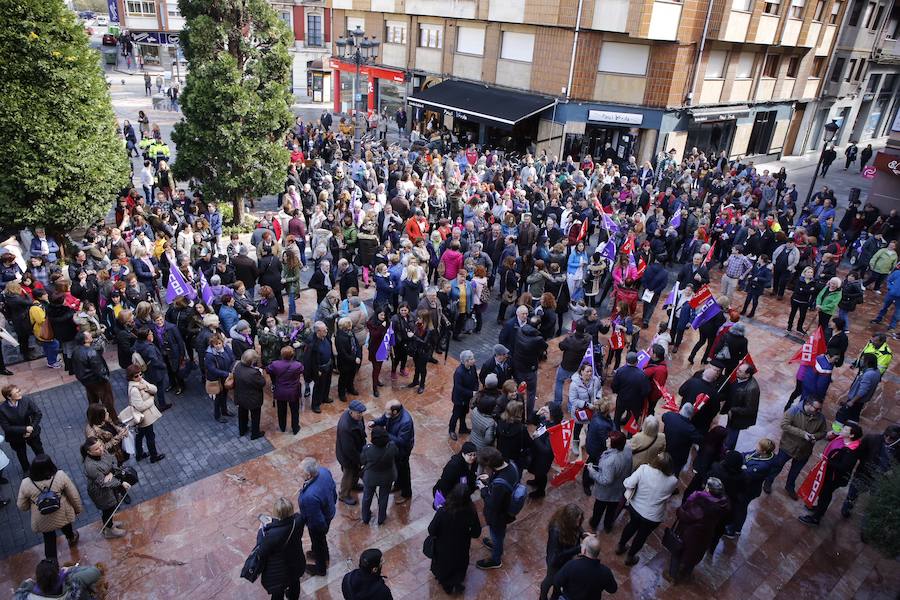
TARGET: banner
(384,350)
(628,246)
(676,220)
(706,312)
(668,397)
(609,224)
(711,253)
(569,473)
(813,347)
(643,359)
(609,250)
(641,267)
(812,486)
(178,286)
(205,291)
(589,357)
(672,298)
(632,426)
(561,441)
(699,402)
(700,296)
(584,229)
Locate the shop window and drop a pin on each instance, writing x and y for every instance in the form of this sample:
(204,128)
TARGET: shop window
(838,70)
(820,10)
(745,66)
(395,32)
(797,7)
(470,40)
(431,36)
(141,8)
(742,5)
(517,46)
(314,35)
(793,67)
(835,11)
(770,68)
(627,59)
(715,66)
(819,66)
(772,7)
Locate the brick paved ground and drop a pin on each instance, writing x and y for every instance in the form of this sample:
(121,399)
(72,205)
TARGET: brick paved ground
(194,444)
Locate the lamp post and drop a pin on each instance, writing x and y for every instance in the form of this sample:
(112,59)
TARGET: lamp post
(831,130)
(355,47)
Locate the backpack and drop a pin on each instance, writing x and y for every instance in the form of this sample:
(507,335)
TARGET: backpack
(48,501)
(518,493)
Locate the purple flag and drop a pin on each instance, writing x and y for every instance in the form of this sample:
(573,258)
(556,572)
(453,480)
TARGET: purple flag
(671,298)
(609,250)
(676,219)
(387,343)
(205,291)
(178,286)
(609,224)
(588,357)
(643,359)
(705,312)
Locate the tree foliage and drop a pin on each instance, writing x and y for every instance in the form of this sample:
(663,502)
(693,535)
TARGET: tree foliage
(881,524)
(64,160)
(236,101)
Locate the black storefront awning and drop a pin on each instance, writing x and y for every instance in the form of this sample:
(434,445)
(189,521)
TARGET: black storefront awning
(474,102)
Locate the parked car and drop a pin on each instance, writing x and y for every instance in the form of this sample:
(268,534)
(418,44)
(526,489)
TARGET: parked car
(102,21)
(109,39)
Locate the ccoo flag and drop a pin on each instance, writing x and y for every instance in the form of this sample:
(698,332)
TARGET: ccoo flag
(609,250)
(707,311)
(609,224)
(676,220)
(384,349)
(178,286)
(205,291)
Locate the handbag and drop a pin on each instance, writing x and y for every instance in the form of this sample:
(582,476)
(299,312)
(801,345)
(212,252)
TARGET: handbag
(214,387)
(671,540)
(130,416)
(254,564)
(229,381)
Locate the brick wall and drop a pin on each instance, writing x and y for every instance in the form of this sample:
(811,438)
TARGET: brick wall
(552,51)
(668,74)
(586,60)
(491,52)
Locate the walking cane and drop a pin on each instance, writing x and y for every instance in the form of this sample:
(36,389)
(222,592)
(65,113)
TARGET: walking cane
(108,521)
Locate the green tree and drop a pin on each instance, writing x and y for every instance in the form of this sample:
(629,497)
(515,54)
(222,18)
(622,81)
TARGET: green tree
(64,160)
(236,102)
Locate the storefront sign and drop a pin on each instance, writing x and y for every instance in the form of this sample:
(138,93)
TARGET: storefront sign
(619,118)
(372,71)
(888,163)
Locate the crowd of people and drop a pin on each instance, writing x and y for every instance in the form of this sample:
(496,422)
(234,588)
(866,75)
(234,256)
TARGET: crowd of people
(444,235)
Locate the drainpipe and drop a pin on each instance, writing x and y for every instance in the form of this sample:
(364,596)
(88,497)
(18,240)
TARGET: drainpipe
(574,50)
(690,97)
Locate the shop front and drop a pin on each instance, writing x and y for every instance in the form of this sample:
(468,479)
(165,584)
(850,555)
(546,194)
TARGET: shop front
(318,82)
(606,132)
(375,82)
(712,130)
(158,49)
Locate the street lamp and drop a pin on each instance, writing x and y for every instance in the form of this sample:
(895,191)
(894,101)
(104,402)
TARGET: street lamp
(831,130)
(357,48)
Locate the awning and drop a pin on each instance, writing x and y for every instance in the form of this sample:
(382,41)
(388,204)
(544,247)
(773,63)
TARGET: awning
(720,113)
(471,101)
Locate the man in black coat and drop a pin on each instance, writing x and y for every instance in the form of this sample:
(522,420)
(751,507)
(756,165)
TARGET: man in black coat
(702,392)
(511,328)
(573,348)
(631,386)
(694,273)
(347,276)
(530,346)
(20,419)
(249,383)
(349,357)
(245,270)
(741,404)
(731,349)
(465,386)
(156,371)
(92,372)
(349,442)
(366,581)
(680,435)
(499,365)
(585,577)
(318,365)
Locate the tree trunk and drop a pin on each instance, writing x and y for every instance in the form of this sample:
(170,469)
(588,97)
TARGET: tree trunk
(237,206)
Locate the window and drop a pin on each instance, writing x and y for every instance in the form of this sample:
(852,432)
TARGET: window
(287,17)
(141,8)
(867,16)
(770,68)
(838,70)
(744,66)
(173,10)
(877,19)
(431,36)
(771,7)
(820,9)
(835,10)
(517,46)
(793,67)
(354,22)
(797,7)
(860,69)
(742,5)
(855,12)
(874,80)
(395,32)
(852,68)
(818,67)
(314,31)
(890,80)
(715,67)
(628,59)
(470,40)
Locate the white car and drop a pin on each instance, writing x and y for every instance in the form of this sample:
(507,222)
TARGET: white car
(103,21)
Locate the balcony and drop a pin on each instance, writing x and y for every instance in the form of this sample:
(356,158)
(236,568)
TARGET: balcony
(887,51)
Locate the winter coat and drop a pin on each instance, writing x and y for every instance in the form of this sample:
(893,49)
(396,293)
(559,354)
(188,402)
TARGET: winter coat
(379,465)
(484,430)
(652,490)
(69,506)
(76,583)
(453,534)
(794,425)
(610,473)
(643,449)
(286,376)
(359,584)
(513,441)
(598,430)
(742,404)
(698,519)
(249,383)
(281,550)
(680,436)
(573,349)
(401,431)
(582,395)
(350,437)
(141,395)
(828,301)
(317,501)
(631,387)
(465,384)
(101,492)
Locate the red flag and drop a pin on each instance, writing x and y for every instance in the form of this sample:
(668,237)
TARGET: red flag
(811,348)
(628,246)
(523,387)
(699,402)
(569,473)
(667,396)
(276,227)
(747,360)
(702,295)
(583,233)
(641,267)
(812,486)
(561,440)
(709,255)
(632,426)
(617,340)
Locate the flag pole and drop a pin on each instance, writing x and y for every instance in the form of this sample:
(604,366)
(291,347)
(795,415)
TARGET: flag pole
(674,307)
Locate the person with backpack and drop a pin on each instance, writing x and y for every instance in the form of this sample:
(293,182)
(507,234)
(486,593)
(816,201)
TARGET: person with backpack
(41,328)
(52,582)
(504,498)
(53,500)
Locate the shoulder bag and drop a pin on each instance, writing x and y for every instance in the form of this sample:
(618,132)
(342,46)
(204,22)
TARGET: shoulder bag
(254,564)
(671,540)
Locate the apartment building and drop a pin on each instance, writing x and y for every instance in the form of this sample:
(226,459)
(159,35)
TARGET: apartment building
(606,76)
(860,92)
(156,24)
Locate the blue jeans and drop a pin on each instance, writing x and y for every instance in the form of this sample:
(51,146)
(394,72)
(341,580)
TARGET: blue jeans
(796,466)
(562,375)
(498,534)
(292,304)
(888,300)
(51,351)
(845,316)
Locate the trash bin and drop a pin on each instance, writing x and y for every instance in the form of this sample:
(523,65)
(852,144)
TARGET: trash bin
(854,194)
(109,58)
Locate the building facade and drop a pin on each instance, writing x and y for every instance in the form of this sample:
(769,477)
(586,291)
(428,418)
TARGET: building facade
(741,77)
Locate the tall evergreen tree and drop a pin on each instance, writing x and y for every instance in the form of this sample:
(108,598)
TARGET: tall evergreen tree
(236,101)
(65,162)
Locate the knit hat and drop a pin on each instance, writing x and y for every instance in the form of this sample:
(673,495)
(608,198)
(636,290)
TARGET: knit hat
(468,448)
